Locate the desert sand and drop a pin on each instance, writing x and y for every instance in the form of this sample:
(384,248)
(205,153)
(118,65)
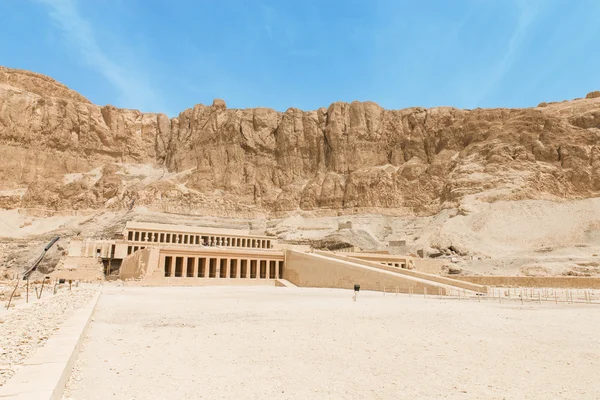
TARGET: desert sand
(300,343)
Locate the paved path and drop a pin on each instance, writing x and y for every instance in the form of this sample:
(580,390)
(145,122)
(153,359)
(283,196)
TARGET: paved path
(294,343)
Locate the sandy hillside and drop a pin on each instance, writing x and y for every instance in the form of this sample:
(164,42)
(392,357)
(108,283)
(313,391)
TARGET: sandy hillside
(526,237)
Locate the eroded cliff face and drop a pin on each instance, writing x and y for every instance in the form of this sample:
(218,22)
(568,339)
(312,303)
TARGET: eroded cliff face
(59,152)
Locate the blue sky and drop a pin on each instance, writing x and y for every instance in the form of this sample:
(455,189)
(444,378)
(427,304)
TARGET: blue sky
(165,56)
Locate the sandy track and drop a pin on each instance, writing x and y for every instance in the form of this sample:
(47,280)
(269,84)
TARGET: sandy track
(292,343)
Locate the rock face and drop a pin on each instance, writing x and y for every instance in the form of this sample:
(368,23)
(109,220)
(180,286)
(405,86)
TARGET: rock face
(593,95)
(60,152)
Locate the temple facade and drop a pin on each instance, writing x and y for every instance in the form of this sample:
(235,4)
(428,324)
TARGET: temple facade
(138,233)
(161,254)
(179,251)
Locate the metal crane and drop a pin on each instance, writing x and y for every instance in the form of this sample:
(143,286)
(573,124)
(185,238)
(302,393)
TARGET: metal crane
(33,267)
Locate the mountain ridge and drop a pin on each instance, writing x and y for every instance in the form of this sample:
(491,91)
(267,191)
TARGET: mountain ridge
(62,152)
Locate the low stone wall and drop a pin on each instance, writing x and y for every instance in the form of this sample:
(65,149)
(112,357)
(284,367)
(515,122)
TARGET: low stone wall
(430,265)
(88,269)
(534,281)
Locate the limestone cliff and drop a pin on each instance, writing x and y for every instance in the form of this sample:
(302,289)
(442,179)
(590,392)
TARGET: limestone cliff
(58,151)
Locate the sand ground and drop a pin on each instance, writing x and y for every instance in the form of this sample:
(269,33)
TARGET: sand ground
(299,343)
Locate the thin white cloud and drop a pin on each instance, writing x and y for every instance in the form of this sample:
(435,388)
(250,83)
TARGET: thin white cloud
(79,34)
(527,14)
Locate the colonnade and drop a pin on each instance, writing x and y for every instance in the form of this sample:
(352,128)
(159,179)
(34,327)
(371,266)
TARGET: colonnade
(133,249)
(220,267)
(397,265)
(198,239)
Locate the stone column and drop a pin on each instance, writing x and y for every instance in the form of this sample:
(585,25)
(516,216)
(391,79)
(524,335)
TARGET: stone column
(277,269)
(184,267)
(173,266)
(218,269)
(195,268)
(238,268)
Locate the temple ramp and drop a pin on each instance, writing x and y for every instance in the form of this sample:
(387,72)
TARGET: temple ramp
(284,283)
(316,270)
(455,283)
